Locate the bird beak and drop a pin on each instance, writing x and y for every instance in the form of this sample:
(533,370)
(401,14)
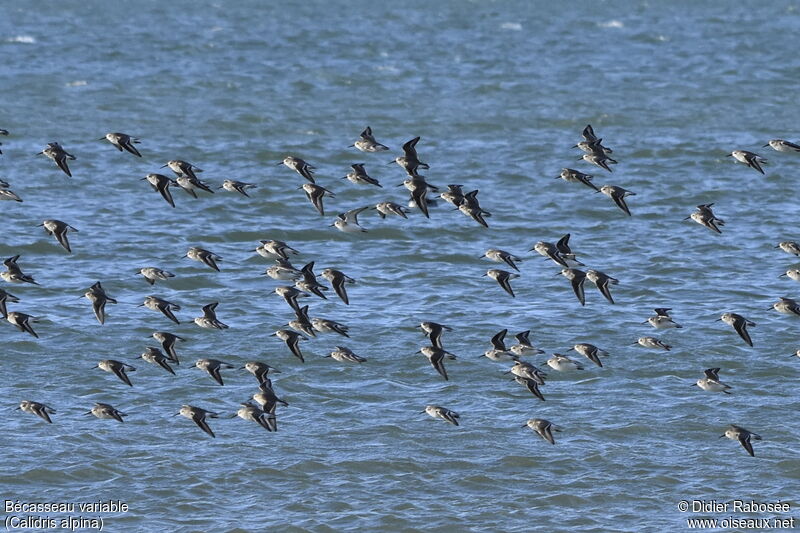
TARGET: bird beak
(103,139)
(718,320)
(765,145)
(784,274)
(722,435)
(389,163)
(165,167)
(279,164)
(687,218)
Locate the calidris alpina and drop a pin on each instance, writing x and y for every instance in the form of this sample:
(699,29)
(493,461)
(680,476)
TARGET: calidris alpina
(213,366)
(346,355)
(750,159)
(22,321)
(359,176)
(591,352)
(434,332)
(502,277)
(705,217)
(652,342)
(97,295)
(41,410)
(153,274)
(599,159)
(117,368)
(105,411)
(441,412)
(562,363)
(499,352)
(391,208)
(576,278)
(453,195)
(292,340)
(783,146)
(531,384)
(500,256)
(198,416)
(55,152)
(274,250)
(366,142)
(168,341)
(410,161)
(315,193)
(6,194)
(299,166)
(573,176)
(566,253)
(338,281)
(549,250)
(237,186)
(260,370)
(739,324)
(529,371)
(711,382)
(160,184)
(348,222)
(209,318)
(204,256)
(744,437)
(14,274)
(790,247)
(290,295)
(602,281)
(154,356)
(543,428)
(436,357)
(324,325)
(792,273)
(190,183)
(182,168)
(524,345)
(618,194)
(122,142)
(787,306)
(662,320)
(250,412)
(166,308)
(59,230)
(6,297)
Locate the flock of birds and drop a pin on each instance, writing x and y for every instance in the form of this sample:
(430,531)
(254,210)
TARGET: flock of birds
(305,282)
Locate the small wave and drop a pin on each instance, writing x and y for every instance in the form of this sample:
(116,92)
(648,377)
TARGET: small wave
(26,39)
(515,26)
(612,24)
(77,83)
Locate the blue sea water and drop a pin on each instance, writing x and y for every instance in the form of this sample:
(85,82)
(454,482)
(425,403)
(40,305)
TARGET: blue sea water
(498,92)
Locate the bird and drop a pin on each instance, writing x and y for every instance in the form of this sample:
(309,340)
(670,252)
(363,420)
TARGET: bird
(590,137)
(591,352)
(272,249)
(302,323)
(283,271)
(59,230)
(292,340)
(418,188)
(299,166)
(198,416)
(790,247)
(618,194)
(6,297)
(259,370)
(60,156)
(346,355)
(390,208)
(792,273)
(6,194)
(117,368)
(739,324)
(123,142)
(359,176)
(499,352)
(566,253)
(443,413)
(183,169)
(470,207)
(562,363)
(662,320)
(309,282)
(209,318)
(165,307)
(237,186)
(602,281)
(155,356)
(367,143)
(576,278)
(315,193)
(750,159)
(780,145)
(524,346)
(543,428)
(409,160)
(204,256)
(153,274)
(290,295)
(106,411)
(531,384)
(436,357)
(41,410)
(190,183)
(787,306)
(705,217)
(168,341)
(348,222)
(711,382)
(14,274)
(324,325)
(97,295)
(339,282)
(22,321)
(248,411)
(501,256)
(523,369)
(549,250)
(434,332)
(573,176)
(504,278)
(160,183)
(453,195)
(652,342)
(213,366)
(267,398)
(599,159)
(744,437)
